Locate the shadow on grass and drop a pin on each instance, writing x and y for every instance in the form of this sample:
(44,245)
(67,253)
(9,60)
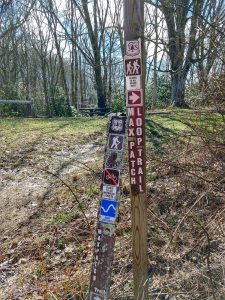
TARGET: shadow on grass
(158,136)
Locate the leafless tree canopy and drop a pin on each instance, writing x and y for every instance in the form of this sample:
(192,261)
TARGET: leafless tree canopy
(71,53)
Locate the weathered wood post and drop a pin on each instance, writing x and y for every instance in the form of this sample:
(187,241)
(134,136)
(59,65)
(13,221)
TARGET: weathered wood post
(108,211)
(134,62)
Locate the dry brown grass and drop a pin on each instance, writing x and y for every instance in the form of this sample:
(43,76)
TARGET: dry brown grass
(49,257)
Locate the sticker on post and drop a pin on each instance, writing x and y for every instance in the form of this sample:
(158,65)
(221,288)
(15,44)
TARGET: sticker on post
(133,48)
(94,296)
(108,211)
(116,142)
(109,192)
(113,160)
(117,125)
(111,177)
(134,98)
(133,82)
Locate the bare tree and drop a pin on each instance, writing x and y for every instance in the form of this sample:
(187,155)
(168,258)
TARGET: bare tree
(13,14)
(183,19)
(96,29)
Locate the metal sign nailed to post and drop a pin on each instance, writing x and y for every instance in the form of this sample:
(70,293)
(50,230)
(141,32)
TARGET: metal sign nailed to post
(108,211)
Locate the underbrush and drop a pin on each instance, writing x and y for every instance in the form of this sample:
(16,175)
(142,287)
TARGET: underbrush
(51,255)
(186,211)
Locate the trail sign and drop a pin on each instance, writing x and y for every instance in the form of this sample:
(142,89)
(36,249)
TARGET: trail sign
(108,211)
(133,82)
(117,125)
(133,66)
(116,142)
(111,177)
(134,63)
(109,192)
(134,98)
(133,48)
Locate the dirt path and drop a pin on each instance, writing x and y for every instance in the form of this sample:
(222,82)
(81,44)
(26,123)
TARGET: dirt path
(23,189)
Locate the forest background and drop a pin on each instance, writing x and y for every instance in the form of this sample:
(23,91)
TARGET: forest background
(64,56)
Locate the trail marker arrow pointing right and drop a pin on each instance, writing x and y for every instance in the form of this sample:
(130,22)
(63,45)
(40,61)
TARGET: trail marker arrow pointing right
(134,98)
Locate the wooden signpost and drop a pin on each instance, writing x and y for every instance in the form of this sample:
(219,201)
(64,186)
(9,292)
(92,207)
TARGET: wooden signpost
(108,210)
(135,93)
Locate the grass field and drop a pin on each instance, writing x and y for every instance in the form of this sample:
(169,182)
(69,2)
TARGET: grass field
(46,245)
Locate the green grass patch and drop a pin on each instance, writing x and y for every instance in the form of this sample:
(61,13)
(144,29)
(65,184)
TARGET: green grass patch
(15,128)
(161,130)
(29,134)
(176,126)
(65,217)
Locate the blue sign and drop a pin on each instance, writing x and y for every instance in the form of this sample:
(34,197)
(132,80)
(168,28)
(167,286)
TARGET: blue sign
(108,211)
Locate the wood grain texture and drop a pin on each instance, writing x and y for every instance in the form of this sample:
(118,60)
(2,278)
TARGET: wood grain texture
(134,29)
(100,279)
(139,233)
(133,19)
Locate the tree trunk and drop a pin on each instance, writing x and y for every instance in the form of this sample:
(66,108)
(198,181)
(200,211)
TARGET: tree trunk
(79,105)
(53,27)
(44,82)
(76,78)
(155,75)
(178,89)
(100,88)
(72,67)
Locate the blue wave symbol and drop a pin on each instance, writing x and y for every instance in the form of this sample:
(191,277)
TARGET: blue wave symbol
(108,208)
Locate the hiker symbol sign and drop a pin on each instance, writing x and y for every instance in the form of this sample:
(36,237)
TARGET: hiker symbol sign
(116,142)
(133,66)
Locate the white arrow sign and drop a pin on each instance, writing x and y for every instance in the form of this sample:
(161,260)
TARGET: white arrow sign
(134,98)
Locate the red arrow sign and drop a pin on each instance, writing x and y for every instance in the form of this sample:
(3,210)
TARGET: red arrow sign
(134,98)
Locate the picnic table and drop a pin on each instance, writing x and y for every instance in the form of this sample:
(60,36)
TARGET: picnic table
(95,111)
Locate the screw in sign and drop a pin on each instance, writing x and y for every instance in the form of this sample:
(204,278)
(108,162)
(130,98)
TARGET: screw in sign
(134,98)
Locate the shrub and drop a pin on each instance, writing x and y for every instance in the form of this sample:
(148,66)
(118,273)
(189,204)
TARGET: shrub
(215,91)
(194,96)
(163,93)
(118,103)
(59,105)
(9,92)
